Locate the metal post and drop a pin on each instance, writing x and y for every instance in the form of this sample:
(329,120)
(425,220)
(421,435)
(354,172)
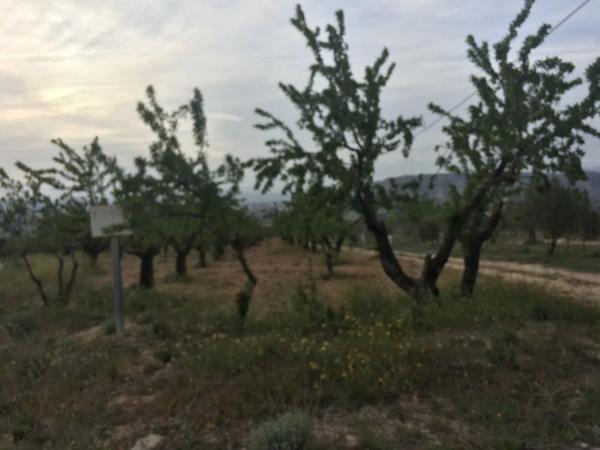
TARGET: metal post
(117,285)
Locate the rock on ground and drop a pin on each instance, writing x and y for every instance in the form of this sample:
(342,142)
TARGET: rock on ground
(148,442)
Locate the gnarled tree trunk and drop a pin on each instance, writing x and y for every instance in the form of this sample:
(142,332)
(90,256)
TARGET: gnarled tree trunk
(387,257)
(471,258)
(38,283)
(552,247)
(147,269)
(244,297)
(181,263)
(201,256)
(472,242)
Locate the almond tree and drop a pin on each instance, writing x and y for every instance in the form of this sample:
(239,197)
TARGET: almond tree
(342,114)
(81,179)
(317,216)
(520,122)
(208,196)
(136,193)
(36,223)
(176,199)
(561,210)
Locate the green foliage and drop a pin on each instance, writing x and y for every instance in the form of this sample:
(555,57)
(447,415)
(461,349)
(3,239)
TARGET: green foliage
(137,194)
(109,327)
(495,304)
(21,324)
(502,352)
(197,205)
(560,210)
(343,116)
(371,305)
(515,125)
(290,431)
(38,223)
(307,310)
(520,122)
(178,226)
(556,208)
(39,220)
(82,179)
(23,209)
(341,113)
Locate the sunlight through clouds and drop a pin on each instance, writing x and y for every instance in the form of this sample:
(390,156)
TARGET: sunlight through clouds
(76,68)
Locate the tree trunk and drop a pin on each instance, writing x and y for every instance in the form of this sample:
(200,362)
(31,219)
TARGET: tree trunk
(472,243)
(93,257)
(472,255)
(329,262)
(552,246)
(433,265)
(59,276)
(36,280)
(147,270)
(219,251)
(181,263)
(388,260)
(66,295)
(531,236)
(201,257)
(339,242)
(244,297)
(93,247)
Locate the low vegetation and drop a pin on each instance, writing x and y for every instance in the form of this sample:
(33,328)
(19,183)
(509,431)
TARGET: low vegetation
(284,336)
(511,367)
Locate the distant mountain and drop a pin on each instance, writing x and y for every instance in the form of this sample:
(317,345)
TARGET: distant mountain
(436,187)
(261,204)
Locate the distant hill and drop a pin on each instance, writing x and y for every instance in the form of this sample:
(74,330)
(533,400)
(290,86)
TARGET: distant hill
(442,182)
(261,204)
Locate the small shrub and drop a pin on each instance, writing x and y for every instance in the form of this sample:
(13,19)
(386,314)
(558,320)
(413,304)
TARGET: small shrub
(308,312)
(163,355)
(503,352)
(540,313)
(161,330)
(21,324)
(370,304)
(145,318)
(109,327)
(291,431)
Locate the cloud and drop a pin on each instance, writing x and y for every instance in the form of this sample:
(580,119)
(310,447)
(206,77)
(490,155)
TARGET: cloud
(76,68)
(223,116)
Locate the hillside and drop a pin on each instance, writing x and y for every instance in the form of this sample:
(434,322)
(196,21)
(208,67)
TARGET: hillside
(442,182)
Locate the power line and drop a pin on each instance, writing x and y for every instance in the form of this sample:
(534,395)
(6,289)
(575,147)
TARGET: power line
(472,94)
(567,17)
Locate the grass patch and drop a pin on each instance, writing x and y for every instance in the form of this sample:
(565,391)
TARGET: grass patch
(512,367)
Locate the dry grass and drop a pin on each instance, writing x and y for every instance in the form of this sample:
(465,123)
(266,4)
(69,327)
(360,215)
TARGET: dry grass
(514,368)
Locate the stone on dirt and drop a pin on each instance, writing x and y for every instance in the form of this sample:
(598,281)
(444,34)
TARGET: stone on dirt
(148,442)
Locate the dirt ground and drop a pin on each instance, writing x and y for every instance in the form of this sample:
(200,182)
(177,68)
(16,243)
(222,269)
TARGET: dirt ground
(278,280)
(279,270)
(581,286)
(459,372)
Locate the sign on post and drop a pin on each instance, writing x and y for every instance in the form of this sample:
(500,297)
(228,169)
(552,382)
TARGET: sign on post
(108,221)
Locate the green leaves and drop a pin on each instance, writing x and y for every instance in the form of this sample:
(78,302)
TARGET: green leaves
(340,113)
(520,120)
(188,202)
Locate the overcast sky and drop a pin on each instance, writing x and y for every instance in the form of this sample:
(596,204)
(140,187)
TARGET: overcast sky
(76,68)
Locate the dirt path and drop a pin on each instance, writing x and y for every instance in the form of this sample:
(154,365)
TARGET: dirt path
(582,286)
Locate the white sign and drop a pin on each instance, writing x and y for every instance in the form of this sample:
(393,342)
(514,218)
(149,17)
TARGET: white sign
(105,217)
